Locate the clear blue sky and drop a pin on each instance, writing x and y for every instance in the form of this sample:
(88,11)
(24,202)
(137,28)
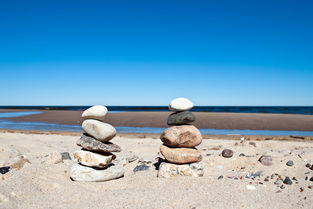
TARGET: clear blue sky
(148,52)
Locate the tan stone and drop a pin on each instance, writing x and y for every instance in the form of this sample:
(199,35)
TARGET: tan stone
(93,159)
(180,155)
(181,136)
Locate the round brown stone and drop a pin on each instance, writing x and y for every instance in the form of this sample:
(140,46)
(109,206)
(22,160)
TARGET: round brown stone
(180,155)
(181,136)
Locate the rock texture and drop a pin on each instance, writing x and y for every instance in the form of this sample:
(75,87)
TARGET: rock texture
(96,162)
(167,170)
(180,104)
(181,118)
(99,130)
(179,142)
(83,173)
(97,112)
(227,153)
(93,159)
(181,136)
(92,144)
(180,155)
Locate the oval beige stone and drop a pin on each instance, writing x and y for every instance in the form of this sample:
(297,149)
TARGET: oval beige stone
(180,155)
(99,130)
(97,112)
(181,136)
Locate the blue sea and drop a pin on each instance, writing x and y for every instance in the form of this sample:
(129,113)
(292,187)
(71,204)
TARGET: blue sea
(304,110)
(6,123)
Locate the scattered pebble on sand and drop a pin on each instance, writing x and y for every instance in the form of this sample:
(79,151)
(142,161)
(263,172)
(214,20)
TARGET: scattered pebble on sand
(65,156)
(290,163)
(142,167)
(4,170)
(287,181)
(227,153)
(266,160)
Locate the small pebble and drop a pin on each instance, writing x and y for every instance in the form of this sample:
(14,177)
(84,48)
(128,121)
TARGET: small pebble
(311,179)
(142,167)
(65,156)
(267,178)
(242,155)
(310,187)
(308,165)
(220,177)
(4,170)
(287,181)
(289,163)
(306,178)
(227,153)
(266,160)
(301,189)
(282,186)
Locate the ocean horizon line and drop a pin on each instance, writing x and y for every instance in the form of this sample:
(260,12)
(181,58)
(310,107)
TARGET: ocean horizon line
(303,110)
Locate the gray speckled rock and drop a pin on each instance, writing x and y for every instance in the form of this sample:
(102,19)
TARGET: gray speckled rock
(181,118)
(167,170)
(97,112)
(92,144)
(83,173)
(99,130)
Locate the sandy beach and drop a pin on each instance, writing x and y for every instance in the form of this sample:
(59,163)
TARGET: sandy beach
(225,184)
(204,120)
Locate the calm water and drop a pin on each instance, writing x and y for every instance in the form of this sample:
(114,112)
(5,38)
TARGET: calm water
(8,124)
(16,114)
(305,110)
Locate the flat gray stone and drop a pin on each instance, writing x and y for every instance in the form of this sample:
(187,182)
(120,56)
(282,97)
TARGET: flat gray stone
(66,156)
(83,173)
(180,118)
(89,143)
(167,170)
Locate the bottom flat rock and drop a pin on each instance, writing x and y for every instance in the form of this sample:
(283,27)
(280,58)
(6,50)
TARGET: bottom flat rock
(82,173)
(167,170)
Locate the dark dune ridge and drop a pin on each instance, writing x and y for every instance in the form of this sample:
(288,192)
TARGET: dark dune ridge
(205,120)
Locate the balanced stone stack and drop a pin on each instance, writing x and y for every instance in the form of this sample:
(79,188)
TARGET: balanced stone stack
(179,142)
(95,159)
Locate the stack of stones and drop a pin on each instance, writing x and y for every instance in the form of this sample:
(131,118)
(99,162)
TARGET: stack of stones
(179,142)
(95,159)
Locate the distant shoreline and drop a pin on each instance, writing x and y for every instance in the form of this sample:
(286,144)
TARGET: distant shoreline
(241,121)
(302,110)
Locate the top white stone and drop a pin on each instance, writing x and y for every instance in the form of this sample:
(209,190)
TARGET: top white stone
(97,112)
(180,104)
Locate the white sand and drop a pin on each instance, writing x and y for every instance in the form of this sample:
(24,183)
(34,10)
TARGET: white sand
(39,185)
